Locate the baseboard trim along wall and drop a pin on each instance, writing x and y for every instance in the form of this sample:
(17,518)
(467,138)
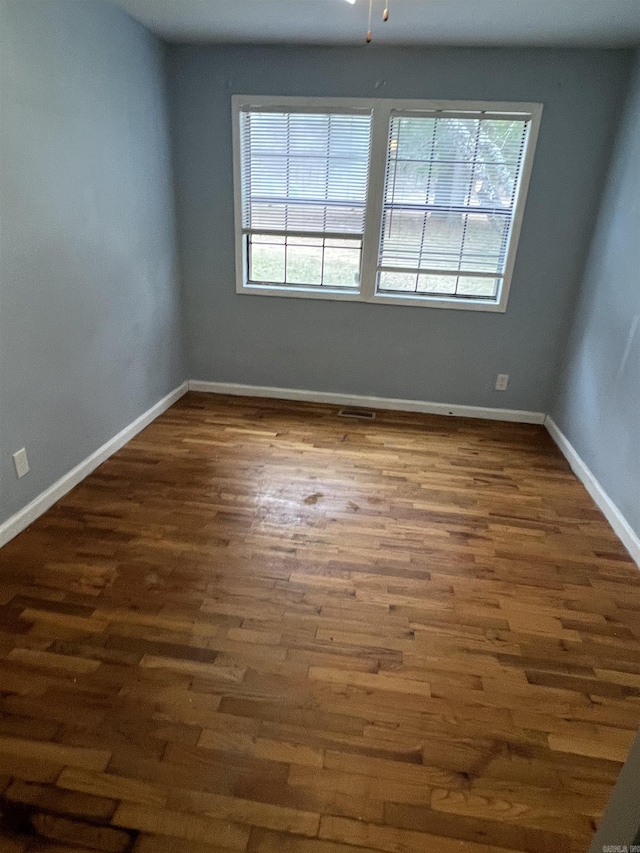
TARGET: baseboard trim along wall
(33,510)
(616,519)
(515,415)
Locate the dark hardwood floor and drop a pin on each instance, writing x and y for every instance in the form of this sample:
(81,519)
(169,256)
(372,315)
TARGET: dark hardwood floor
(260,627)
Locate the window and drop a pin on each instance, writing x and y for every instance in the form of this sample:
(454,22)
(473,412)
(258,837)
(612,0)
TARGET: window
(304,190)
(407,202)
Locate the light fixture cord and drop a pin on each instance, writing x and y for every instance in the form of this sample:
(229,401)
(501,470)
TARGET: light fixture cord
(369,34)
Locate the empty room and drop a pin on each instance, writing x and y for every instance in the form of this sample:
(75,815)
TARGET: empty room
(319,426)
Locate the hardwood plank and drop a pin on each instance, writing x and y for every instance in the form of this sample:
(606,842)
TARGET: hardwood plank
(165,844)
(187,827)
(395,771)
(109,785)
(497,830)
(392,840)
(379,681)
(13,845)
(61,802)
(204,670)
(289,753)
(245,811)
(89,759)
(62,831)
(46,660)
(265,841)
(614,746)
(29,769)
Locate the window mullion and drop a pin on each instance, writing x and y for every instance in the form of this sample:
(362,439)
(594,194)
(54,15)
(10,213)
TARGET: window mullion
(238,199)
(375,200)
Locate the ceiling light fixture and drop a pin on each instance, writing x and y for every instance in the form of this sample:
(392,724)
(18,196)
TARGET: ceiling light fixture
(385,16)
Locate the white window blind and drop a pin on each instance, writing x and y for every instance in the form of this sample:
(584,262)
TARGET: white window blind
(450,197)
(304,191)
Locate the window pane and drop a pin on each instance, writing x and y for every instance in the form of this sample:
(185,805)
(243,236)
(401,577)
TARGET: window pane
(341,267)
(268,238)
(304,264)
(449,200)
(304,241)
(266,261)
(270,216)
(485,242)
(304,171)
(443,239)
(401,235)
(480,286)
(398,281)
(437,284)
(341,243)
(309,261)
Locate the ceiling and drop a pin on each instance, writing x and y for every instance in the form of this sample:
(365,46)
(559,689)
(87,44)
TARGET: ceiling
(598,23)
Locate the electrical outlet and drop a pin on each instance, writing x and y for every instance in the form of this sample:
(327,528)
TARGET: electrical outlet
(502,381)
(21,462)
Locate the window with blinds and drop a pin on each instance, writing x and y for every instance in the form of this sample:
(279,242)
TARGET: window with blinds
(304,192)
(407,202)
(449,203)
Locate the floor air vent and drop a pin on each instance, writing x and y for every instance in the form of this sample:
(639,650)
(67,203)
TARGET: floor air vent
(362,414)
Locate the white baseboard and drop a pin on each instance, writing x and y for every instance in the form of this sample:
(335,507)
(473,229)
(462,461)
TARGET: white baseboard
(28,514)
(516,415)
(618,522)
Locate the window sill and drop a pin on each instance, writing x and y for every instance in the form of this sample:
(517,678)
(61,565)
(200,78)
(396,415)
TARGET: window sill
(349,295)
(302,292)
(440,302)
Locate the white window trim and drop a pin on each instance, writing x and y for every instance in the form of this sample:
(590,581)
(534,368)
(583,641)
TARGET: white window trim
(381,109)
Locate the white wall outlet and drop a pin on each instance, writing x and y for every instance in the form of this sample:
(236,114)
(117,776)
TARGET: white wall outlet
(502,381)
(21,462)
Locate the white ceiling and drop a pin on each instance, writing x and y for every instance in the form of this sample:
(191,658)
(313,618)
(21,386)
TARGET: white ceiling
(603,23)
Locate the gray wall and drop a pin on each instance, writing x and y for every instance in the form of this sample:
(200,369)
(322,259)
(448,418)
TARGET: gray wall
(394,351)
(598,402)
(89,295)
(621,819)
